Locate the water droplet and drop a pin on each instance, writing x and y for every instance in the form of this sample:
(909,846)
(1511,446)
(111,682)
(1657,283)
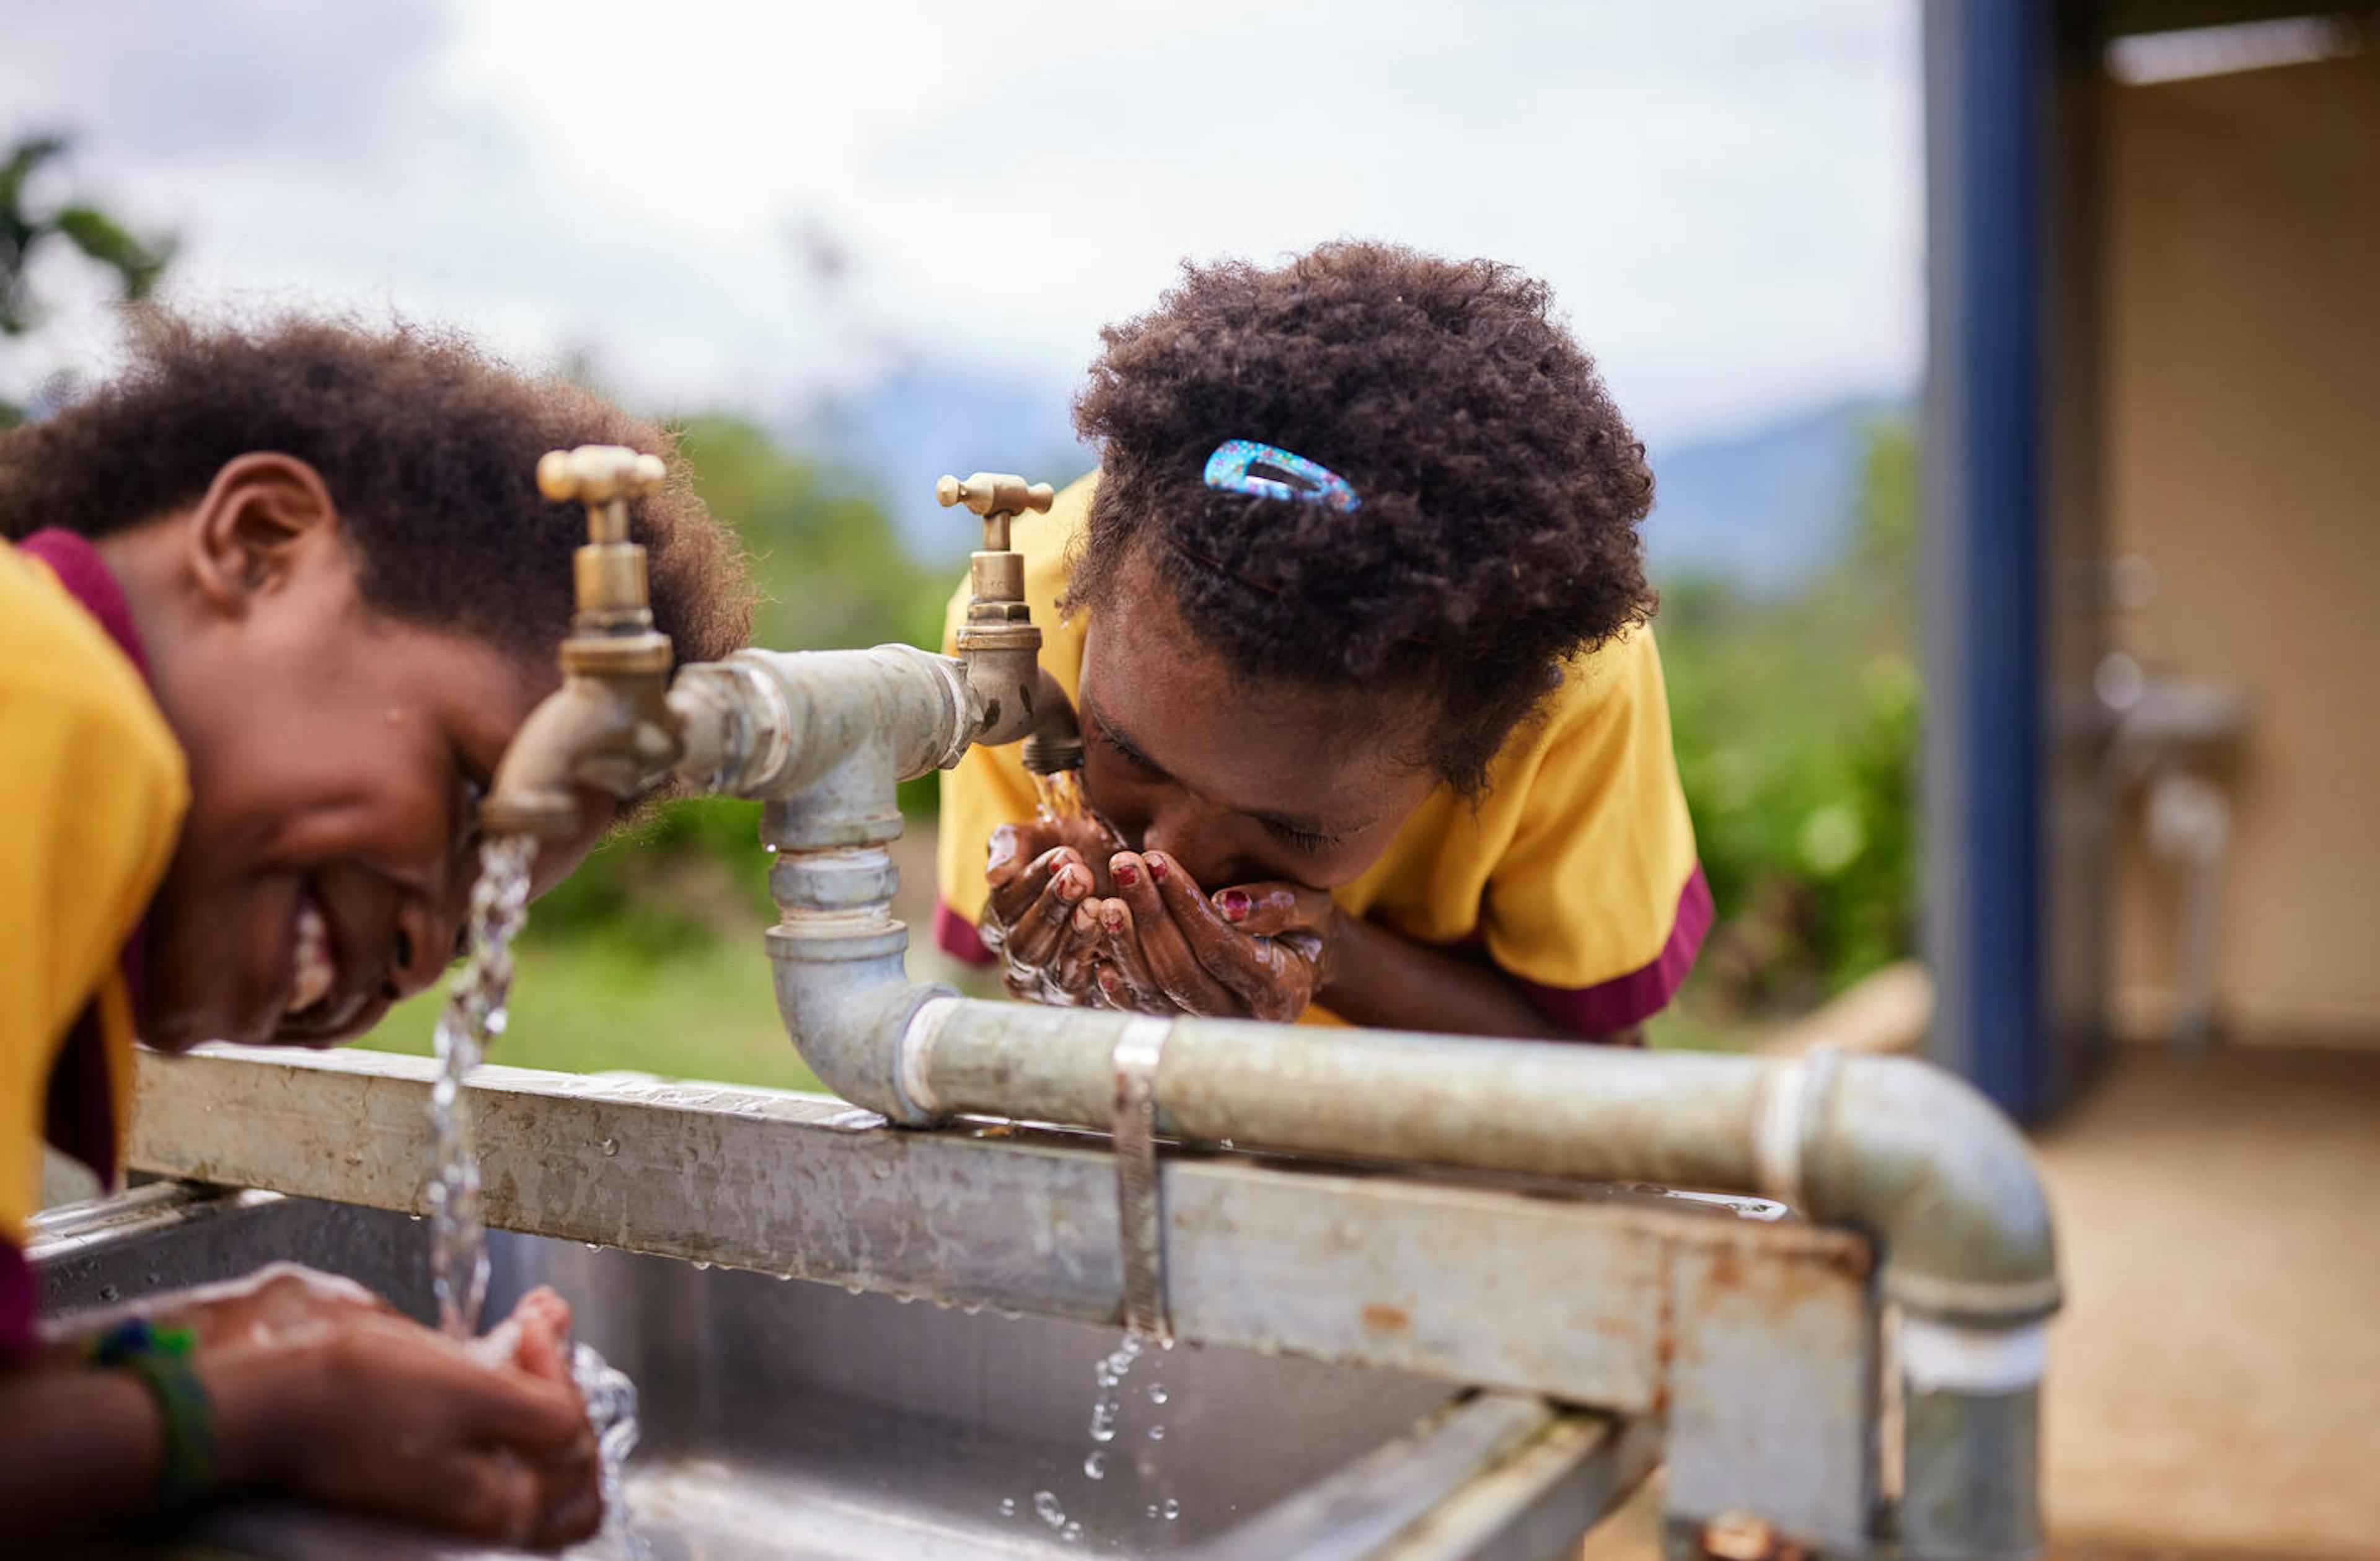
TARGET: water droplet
(156,1279)
(594,1246)
(107,1292)
(1172,1509)
(905,1298)
(1157,1393)
(852,1290)
(1008,1507)
(701,1266)
(1046,1503)
(610,1147)
(1071,1533)
(1103,1417)
(1152,1510)
(1157,1434)
(1095,1464)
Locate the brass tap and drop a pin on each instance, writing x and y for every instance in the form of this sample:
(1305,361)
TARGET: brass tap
(608,725)
(999,640)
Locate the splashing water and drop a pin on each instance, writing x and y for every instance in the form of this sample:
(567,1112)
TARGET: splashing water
(611,1400)
(1109,1372)
(474,1014)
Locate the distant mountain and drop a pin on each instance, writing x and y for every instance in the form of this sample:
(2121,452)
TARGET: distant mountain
(1765,509)
(925,420)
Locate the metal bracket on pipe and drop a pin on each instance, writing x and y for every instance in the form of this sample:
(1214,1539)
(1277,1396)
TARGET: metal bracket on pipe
(1139,1221)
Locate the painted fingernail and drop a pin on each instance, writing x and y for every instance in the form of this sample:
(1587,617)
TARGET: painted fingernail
(1127,873)
(1109,979)
(1069,884)
(1114,916)
(1083,920)
(1156,868)
(1234,904)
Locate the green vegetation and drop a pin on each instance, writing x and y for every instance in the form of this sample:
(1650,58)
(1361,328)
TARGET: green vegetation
(1796,726)
(136,264)
(648,958)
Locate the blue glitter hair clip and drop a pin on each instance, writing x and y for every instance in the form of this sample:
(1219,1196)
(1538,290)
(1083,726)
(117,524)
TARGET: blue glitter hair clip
(1267,472)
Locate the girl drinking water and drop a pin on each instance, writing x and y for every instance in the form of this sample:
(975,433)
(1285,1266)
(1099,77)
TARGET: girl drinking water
(1354,615)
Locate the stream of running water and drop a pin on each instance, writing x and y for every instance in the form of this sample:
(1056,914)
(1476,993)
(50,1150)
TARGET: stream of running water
(474,1015)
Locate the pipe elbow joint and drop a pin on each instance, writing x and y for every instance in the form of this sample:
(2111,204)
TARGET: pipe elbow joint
(1923,1161)
(840,996)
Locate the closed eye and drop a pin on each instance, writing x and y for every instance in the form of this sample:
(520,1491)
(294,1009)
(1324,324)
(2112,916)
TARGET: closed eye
(1124,750)
(1312,842)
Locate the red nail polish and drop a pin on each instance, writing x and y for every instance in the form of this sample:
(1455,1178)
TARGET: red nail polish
(1108,981)
(1156,868)
(1114,918)
(1127,873)
(1234,905)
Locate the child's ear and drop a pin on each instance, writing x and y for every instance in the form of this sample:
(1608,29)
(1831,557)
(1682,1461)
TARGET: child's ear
(247,534)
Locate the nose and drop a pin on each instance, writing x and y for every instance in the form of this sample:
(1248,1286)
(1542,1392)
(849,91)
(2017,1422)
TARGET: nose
(1195,836)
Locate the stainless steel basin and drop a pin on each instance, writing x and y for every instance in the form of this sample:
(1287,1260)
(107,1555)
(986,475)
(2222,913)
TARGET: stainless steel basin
(791,1419)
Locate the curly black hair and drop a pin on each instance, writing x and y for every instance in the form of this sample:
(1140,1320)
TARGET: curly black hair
(1500,489)
(428,448)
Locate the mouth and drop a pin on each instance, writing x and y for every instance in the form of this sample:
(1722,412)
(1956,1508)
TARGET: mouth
(313,967)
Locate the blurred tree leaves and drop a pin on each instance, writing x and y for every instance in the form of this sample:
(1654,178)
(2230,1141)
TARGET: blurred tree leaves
(136,263)
(1796,726)
(832,566)
(833,572)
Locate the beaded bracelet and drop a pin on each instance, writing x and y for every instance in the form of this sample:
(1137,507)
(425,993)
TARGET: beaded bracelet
(161,1359)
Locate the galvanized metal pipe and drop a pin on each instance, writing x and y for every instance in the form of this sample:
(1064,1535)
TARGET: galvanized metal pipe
(1903,1150)
(1890,1145)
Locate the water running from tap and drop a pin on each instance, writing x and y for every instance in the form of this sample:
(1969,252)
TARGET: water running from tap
(1060,796)
(473,1014)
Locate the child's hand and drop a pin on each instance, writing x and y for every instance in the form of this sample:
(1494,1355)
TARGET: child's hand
(276,1300)
(1040,872)
(376,1413)
(1259,951)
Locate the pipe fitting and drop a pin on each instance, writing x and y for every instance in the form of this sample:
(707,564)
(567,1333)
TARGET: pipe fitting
(1920,1160)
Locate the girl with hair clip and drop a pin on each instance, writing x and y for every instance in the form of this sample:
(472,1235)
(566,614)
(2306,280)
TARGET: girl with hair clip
(1355,618)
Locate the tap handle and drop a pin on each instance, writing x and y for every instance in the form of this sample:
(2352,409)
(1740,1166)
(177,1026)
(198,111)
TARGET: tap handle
(603,478)
(997,496)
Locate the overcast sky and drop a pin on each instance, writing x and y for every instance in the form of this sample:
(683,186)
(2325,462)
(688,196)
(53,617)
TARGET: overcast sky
(746,204)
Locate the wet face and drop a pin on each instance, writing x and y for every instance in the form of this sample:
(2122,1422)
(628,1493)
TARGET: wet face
(1241,781)
(335,758)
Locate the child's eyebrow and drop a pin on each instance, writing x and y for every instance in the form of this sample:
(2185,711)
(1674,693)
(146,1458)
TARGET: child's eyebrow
(1291,824)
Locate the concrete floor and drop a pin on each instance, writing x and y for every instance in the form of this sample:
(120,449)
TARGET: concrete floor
(2213,1390)
(2214,1381)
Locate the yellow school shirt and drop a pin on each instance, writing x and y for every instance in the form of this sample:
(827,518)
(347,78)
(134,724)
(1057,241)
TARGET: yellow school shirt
(1576,870)
(93,789)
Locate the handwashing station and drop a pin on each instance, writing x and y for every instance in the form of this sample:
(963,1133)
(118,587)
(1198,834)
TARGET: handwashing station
(1435,1296)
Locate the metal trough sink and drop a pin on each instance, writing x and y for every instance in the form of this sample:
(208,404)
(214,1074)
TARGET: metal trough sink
(793,1418)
